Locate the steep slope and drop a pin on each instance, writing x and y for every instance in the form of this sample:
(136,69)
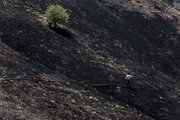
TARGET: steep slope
(110,38)
(33,92)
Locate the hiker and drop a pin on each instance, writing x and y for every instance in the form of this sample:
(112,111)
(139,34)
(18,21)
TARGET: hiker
(128,77)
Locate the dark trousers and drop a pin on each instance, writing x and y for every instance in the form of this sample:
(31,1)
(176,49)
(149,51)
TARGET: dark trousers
(128,84)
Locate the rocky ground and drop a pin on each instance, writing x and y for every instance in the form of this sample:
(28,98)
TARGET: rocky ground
(78,72)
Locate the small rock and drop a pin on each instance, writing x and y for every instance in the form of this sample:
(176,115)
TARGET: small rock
(18,107)
(122,107)
(93,98)
(118,87)
(94,112)
(117,106)
(1,79)
(161,97)
(73,101)
(52,101)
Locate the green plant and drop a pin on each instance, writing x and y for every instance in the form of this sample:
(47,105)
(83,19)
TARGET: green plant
(56,14)
(4,2)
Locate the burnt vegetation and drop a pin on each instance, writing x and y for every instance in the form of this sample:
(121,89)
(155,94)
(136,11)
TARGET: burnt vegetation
(51,69)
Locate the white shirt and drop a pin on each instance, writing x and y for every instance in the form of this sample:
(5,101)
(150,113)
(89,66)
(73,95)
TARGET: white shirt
(128,77)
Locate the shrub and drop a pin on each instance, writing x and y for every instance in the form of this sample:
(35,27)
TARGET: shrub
(56,14)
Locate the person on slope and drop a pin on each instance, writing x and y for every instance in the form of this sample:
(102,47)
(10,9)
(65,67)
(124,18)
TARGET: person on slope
(128,77)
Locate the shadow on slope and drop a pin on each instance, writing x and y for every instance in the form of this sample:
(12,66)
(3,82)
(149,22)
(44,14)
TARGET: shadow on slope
(62,31)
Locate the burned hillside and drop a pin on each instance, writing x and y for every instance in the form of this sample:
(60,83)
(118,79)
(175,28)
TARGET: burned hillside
(104,41)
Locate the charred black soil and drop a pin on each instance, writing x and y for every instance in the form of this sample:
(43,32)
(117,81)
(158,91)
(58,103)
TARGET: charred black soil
(52,71)
(63,32)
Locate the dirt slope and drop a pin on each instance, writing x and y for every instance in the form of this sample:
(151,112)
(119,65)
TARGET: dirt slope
(110,38)
(31,91)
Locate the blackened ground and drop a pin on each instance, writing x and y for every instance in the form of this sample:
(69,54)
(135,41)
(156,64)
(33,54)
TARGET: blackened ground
(63,32)
(31,91)
(113,38)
